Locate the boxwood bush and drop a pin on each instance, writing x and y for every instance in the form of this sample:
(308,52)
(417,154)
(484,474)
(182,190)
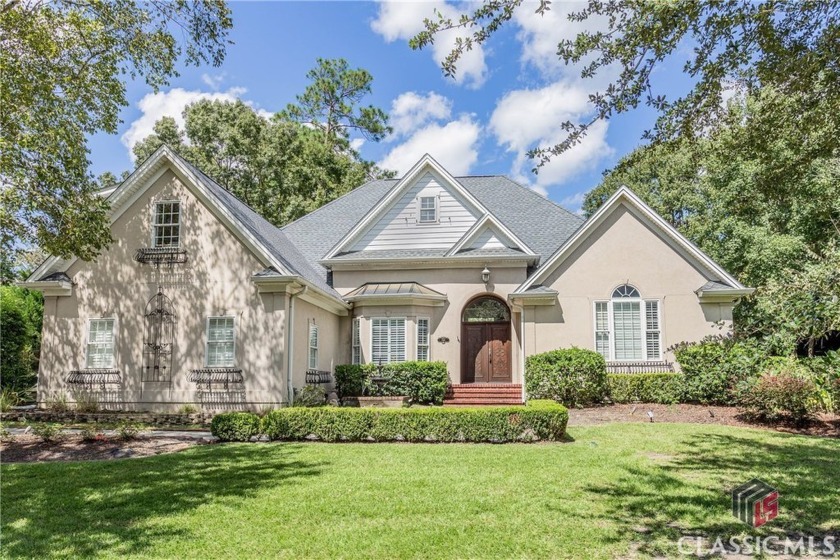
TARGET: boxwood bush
(661,388)
(572,376)
(421,382)
(539,420)
(235,426)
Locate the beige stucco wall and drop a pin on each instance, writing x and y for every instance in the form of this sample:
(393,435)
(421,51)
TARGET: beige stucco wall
(460,286)
(624,249)
(215,281)
(333,348)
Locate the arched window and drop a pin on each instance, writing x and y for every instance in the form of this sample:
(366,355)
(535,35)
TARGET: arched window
(486,309)
(627,327)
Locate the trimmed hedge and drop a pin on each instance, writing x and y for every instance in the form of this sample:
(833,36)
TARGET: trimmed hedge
(235,426)
(715,365)
(572,376)
(538,421)
(661,388)
(421,382)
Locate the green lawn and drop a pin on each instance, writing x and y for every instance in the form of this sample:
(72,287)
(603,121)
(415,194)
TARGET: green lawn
(612,490)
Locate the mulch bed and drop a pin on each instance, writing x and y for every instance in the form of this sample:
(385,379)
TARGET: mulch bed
(826,425)
(28,448)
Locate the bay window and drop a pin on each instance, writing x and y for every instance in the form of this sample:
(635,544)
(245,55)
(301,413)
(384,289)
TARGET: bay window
(387,340)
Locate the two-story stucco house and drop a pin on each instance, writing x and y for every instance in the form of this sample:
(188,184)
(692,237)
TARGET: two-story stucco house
(200,300)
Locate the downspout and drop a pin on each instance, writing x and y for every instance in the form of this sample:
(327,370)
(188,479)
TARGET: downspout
(290,341)
(522,349)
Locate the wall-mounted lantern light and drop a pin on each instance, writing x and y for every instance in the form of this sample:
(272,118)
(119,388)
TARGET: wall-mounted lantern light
(485,275)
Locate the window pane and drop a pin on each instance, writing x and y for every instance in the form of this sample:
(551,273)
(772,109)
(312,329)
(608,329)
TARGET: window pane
(628,330)
(653,345)
(486,310)
(602,344)
(220,342)
(626,291)
(428,209)
(397,340)
(313,347)
(379,341)
(602,322)
(357,342)
(422,339)
(100,348)
(167,228)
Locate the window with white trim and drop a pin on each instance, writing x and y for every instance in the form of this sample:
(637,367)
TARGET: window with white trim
(356,349)
(100,344)
(428,209)
(423,339)
(627,327)
(220,342)
(313,346)
(167,225)
(387,340)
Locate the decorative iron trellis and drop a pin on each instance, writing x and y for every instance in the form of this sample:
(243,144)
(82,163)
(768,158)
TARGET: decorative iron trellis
(166,256)
(317,377)
(158,342)
(206,377)
(94,376)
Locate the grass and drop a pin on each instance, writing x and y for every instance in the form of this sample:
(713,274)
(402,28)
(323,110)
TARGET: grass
(613,491)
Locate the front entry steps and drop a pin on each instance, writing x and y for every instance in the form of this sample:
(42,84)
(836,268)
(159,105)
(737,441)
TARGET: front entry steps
(483,394)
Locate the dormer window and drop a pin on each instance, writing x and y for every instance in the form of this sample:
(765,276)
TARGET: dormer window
(428,210)
(166,230)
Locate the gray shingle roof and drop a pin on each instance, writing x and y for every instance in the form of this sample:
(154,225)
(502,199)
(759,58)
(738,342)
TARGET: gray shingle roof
(538,222)
(269,235)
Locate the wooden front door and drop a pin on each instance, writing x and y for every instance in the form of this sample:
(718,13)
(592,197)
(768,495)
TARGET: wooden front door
(485,353)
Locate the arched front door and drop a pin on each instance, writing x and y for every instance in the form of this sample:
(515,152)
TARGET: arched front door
(485,341)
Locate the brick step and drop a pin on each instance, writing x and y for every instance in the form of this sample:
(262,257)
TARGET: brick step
(481,402)
(484,388)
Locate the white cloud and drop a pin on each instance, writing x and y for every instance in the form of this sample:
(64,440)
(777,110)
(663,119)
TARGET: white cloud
(411,110)
(400,20)
(214,81)
(155,106)
(529,118)
(453,144)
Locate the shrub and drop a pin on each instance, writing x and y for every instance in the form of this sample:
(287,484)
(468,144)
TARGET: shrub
(128,430)
(310,395)
(421,382)
(781,392)
(235,426)
(539,420)
(47,431)
(825,372)
(572,376)
(188,409)
(8,399)
(715,365)
(92,432)
(57,403)
(661,388)
(349,380)
(86,401)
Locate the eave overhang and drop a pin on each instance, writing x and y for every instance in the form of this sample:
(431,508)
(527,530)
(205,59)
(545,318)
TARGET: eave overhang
(50,287)
(297,285)
(723,296)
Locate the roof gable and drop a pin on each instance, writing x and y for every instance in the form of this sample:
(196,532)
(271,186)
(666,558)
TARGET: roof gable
(394,223)
(624,196)
(262,238)
(489,233)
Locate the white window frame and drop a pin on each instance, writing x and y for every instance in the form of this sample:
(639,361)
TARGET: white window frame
(643,322)
(207,341)
(356,341)
(428,345)
(405,338)
(155,225)
(312,356)
(420,209)
(88,342)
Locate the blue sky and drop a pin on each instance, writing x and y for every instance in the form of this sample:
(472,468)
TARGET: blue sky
(509,96)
